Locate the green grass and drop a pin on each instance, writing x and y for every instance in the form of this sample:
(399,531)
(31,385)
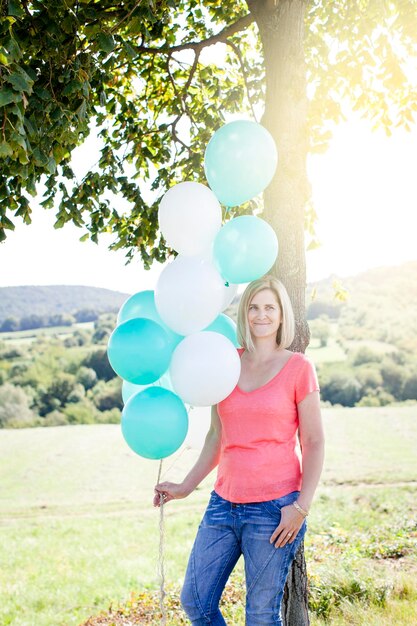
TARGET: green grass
(79,532)
(380,347)
(28,336)
(331,353)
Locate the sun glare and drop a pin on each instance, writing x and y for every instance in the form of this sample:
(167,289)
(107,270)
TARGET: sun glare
(364,192)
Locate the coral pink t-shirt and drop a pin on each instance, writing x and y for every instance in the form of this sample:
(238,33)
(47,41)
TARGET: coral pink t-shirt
(260,458)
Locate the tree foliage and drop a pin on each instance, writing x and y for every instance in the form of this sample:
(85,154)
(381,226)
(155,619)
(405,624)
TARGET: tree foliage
(138,73)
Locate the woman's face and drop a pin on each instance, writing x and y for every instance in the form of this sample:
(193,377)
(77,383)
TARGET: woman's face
(264,314)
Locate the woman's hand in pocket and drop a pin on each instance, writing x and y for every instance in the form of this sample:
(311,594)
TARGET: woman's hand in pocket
(287,530)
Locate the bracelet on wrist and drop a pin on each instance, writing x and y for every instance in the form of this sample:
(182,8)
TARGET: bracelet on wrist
(300,510)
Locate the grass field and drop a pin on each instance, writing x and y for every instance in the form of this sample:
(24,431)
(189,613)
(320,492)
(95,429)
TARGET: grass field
(78,532)
(21,337)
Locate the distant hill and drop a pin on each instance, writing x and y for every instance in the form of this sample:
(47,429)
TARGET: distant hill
(380,287)
(50,300)
(381,304)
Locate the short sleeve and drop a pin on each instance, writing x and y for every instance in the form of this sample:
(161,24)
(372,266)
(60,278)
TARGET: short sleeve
(306,380)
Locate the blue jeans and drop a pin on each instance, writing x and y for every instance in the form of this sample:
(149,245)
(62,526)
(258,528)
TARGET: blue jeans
(228,530)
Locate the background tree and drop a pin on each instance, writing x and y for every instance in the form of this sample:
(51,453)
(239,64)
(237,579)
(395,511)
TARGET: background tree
(139,70)
(320,328)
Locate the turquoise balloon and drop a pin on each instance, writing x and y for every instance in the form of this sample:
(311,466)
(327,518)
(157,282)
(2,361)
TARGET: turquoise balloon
(244,249)
(154,423)
(142,304)
(224,325)
(129,389)
(240,161)
(139,351)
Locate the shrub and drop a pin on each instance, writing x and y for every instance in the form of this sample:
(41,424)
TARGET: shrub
(410,388)
(107,396)
(376,397)
(99,362)
(393,376)
(109,417)
(61,319)
(11,352)
(77,394)
(87,377)
(9,325)
(78,338)
(32,321)
(57,394)
(15,411)
(369,376)
(81,413)
(86,315)
(365,355)
(103,327)
(320,329)
(341,388)
(55,418)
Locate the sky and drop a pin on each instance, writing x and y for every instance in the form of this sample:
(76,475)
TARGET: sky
(364,191)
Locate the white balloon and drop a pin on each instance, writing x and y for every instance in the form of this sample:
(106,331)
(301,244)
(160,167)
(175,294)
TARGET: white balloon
(189,294)
(205,368)
(199,419)
(190,217)
(228,294)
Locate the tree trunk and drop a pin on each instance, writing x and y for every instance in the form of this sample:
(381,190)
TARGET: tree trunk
(281,27)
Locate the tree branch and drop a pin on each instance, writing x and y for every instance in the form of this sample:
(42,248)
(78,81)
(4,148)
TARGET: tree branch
(126,17)
(245,76)
(25,7)
(197,46)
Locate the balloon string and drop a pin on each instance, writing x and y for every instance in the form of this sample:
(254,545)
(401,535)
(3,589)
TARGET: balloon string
(161,568)
(179,455)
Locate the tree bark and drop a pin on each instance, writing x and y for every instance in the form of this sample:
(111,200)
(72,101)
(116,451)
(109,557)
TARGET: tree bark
(281,27)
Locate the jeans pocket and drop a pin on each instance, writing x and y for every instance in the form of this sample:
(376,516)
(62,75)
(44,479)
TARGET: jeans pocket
(273,507)
(215,502)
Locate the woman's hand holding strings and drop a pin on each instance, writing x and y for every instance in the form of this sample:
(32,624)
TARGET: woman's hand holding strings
(169,491)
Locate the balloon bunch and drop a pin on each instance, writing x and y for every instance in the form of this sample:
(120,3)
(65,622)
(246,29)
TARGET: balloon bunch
(174,346)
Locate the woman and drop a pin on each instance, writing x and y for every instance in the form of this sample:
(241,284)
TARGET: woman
(260,498)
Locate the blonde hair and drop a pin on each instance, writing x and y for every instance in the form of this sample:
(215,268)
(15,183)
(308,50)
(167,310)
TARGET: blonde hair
(286,330)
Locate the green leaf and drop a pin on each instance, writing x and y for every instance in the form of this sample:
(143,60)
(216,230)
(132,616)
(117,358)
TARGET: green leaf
(13,49)
(42,93)
(68,24)
(15,9)
(105,42)
(5,149)
(314,244)
(20,81)
(6,223)
(18,140)
(4,59)
(82,109)
(39,157)
(51,165)
(23,157)
(31,187)
(7,96)
(72,87)
(131,52)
